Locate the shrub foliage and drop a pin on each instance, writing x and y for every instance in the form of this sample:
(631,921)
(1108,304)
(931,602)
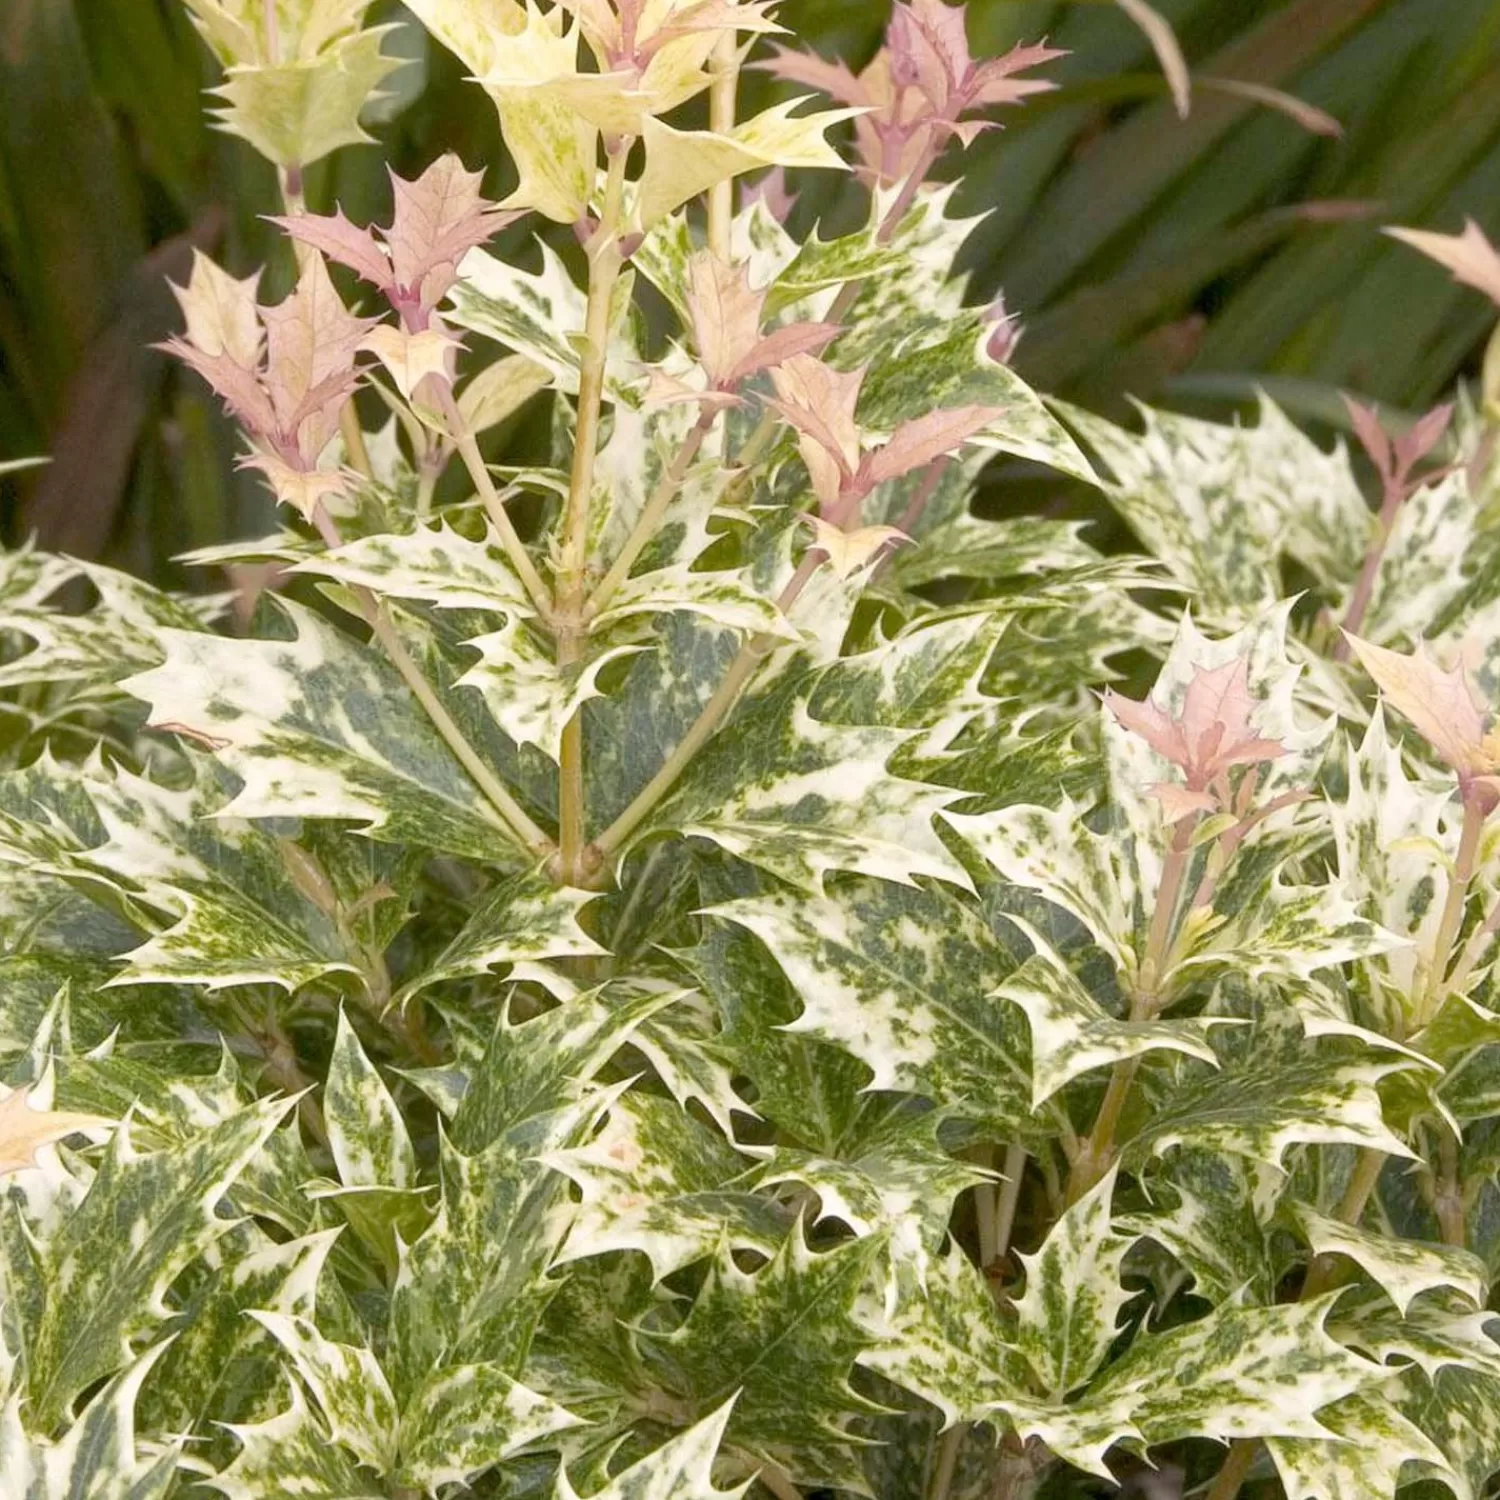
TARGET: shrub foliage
(660,978)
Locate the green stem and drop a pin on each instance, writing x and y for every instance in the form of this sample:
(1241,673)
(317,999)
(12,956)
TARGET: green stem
(1098,1150)
(569,629)
(741,669)
(468,449)
(649,521)
(512,818)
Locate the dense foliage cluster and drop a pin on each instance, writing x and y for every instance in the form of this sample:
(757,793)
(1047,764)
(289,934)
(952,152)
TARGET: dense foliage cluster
(661,978)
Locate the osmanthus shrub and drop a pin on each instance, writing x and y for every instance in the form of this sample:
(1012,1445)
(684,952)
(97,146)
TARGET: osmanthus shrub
(655,974)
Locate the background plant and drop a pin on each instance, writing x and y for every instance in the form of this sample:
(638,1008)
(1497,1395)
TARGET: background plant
(650,971)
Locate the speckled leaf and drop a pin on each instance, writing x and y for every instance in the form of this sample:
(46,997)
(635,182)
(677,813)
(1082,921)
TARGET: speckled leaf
(528,694)
(1403,1269)
(1274,1098)
(98,1458)
(523,920)
(681,1469)
(903,978)
(656,1181)
(537,314)
(434,564)
(144,1218)
(802,798)
(730,599)
(468,1418)
(1459,1410)
(784,1338)
(319,727)
(1052,851)
(366,1132)
(347,1384)
(1240,1372)
(222,1363)
(241,915)
(1069,1315)
(1220,504)
(1072,1034)
(290,1454)
(893,1179)
(1367,1457)
(945,1342)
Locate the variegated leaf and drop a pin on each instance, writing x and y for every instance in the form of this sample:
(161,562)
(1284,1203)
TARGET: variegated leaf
(366,1132)
(681,1469)
(784,1338)
(1240,1372)
(904,979)
(1068,1316)
(319,727)
(656,1181)
(1403,1269)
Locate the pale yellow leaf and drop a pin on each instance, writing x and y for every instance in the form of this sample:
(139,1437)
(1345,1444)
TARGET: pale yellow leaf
(24,1130)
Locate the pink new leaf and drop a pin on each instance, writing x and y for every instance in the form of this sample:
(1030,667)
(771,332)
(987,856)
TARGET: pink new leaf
(784,344)
(725,311)
(1470,256)
(832,78)
(1440,705)
(1372,437)
(915,444)
(1212,734)
(342,241)
(438,217)
(238,388)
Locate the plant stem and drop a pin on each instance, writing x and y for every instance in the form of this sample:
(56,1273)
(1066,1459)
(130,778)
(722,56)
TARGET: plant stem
(650,518)
(1479,940)
(1364,586)
(511,816)
(741,669)
(468,449)
(1235,1467)
(1098,1150)
(605,265)
(723,99)
(354,440)
(778,1482)
(1448,1201)
(947,1461)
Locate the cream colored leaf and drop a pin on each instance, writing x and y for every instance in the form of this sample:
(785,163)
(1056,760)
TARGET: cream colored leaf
(411,357)
(849,551)
(681,164)
(24,1130)
(221,313)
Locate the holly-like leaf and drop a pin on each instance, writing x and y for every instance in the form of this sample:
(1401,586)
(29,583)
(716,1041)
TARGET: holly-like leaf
(801,798)
(366,1131)
(319,727)
(945,1341)
(1068,1316)
(681,1469)
(784,1338)
(1072,1034)
(655,1181)
(347,1384)
(1469,255)
(523,920)
(1403,1269)
(98,1457)
(106,1269)
(1240,1372)
(25,1128)
(904,979)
